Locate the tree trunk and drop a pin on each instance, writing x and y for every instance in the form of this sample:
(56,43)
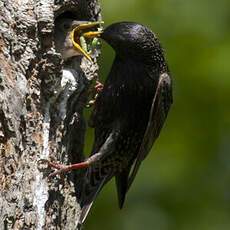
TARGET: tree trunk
(41,114)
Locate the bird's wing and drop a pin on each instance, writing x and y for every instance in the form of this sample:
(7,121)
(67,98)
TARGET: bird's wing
(158,113)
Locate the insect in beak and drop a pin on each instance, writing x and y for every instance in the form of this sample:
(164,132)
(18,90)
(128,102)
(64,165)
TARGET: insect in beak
(82,34)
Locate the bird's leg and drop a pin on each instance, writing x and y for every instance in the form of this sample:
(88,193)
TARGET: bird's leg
(62,169)
(97,89)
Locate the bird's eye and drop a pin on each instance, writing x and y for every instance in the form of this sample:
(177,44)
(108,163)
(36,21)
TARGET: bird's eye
(66,26)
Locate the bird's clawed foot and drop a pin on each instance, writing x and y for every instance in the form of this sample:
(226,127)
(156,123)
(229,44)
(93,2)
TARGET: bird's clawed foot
(97,89)
(62,169)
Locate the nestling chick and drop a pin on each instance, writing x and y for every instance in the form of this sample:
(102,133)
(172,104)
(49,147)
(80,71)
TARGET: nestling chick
(67,35)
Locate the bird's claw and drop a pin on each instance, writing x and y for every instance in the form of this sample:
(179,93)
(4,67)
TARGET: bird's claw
(49,163)
(98,88)
(60,169)
(58,172)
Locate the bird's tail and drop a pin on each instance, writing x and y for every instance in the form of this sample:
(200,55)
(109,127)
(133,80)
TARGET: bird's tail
(91,186)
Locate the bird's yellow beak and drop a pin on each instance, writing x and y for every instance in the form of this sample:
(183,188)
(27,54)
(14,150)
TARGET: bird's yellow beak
(84,31)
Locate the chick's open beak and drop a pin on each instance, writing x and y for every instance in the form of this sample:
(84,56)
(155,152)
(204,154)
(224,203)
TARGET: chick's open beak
(84,30)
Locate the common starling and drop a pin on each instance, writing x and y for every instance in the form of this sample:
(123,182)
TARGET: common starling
(129,112)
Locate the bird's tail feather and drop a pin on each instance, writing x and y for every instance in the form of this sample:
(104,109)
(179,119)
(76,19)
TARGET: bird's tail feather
(91,186)
(122,186)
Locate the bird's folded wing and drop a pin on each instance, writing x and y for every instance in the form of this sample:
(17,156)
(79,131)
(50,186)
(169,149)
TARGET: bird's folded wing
(158,113)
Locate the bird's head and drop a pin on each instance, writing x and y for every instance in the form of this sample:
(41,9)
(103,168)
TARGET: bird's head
(133,40)
(71,35)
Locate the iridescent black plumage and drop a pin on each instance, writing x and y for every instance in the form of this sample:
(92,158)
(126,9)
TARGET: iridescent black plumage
(130,111)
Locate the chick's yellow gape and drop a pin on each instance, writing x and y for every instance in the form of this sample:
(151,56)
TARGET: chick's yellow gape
(78,37)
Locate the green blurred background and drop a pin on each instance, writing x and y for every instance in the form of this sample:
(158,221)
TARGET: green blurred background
(185,182)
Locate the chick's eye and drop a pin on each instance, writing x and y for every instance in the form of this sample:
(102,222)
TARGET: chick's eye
(66,26)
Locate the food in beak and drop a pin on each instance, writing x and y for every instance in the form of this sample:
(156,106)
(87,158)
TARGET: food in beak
(84,37)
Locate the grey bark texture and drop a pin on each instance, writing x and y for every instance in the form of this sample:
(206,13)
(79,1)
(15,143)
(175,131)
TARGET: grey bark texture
(41,114)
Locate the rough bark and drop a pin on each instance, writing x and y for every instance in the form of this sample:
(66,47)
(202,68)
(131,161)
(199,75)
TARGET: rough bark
(41,114)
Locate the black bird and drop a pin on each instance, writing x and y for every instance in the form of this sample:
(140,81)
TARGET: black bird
(129,112)
(131,109)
